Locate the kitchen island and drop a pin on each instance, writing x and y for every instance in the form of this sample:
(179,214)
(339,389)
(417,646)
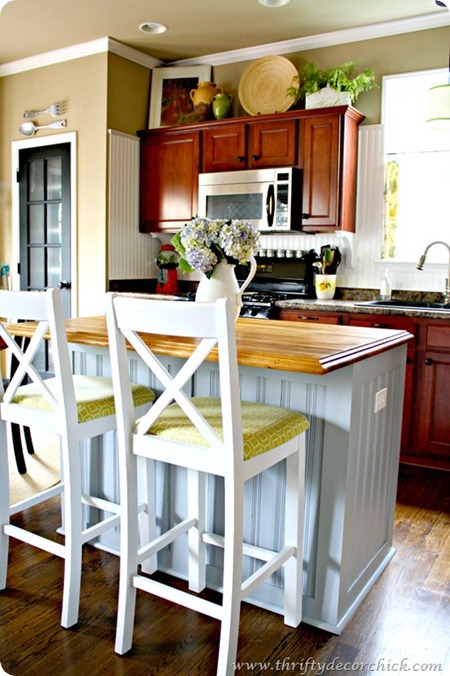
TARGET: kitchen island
(349,382)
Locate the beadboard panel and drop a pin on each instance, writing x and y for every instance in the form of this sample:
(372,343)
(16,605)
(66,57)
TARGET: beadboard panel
(131,253)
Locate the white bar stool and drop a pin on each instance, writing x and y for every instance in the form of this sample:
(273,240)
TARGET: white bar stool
(75,408)
(225,437)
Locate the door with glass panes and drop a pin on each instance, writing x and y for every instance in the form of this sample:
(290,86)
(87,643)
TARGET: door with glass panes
(44,188)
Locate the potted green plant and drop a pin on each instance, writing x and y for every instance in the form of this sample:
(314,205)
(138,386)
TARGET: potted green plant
(340,85)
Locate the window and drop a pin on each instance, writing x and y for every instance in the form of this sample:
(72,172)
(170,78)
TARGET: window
(417,170)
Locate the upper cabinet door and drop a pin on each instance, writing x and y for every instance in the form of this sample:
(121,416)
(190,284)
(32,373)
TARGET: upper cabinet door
(250,145)
(169,180)
(320,172)
(273,144)
(224,148)
(329,158)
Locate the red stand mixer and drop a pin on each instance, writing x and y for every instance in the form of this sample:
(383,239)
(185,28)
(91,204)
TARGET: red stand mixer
(167,262)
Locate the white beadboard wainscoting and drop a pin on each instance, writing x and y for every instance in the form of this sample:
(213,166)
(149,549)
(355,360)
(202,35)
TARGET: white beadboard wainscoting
(351,475)
(131,253)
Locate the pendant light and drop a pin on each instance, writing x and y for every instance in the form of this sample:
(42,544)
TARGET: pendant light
(438,115)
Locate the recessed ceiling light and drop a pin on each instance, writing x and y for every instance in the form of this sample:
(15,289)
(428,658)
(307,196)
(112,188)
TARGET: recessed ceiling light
(153,28)
(274,3)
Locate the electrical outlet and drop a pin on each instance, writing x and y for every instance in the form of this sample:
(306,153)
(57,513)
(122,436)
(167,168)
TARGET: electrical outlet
(380,400)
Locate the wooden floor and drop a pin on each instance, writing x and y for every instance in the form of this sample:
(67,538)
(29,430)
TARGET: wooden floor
(405,617)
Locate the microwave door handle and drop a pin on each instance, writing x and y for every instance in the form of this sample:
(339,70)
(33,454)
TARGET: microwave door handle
(270,205)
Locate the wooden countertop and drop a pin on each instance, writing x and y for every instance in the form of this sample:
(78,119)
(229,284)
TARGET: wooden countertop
(270,344)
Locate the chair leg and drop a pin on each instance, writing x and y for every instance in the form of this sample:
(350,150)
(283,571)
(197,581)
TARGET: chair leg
(28,440)
(293,532)
(232,577)
(128,553)
(147,518)
(197,548)
(4,504)
(18,449)
(73,524)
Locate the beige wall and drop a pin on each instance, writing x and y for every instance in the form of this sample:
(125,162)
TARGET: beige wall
(405,53)
(99,92)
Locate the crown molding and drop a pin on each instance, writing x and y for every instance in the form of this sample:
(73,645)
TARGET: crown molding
(99,46)
(387,29)
(106,44)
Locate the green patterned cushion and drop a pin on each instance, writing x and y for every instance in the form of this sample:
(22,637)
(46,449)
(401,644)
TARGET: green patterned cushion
(94,395)
(264,427)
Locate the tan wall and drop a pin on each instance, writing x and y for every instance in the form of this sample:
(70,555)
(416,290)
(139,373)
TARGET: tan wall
(99,92)
(398,54)
(128,95)
(81,85)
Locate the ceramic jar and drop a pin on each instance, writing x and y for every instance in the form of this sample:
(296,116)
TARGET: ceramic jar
(325,286)
(221,105)
(202,99)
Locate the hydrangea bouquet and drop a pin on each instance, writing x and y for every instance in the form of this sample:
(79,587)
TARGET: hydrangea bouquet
(204,243)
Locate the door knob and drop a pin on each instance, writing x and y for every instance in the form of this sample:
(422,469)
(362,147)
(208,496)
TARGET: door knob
(64,285)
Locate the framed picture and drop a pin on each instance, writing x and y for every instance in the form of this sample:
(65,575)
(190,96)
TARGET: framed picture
(170,103)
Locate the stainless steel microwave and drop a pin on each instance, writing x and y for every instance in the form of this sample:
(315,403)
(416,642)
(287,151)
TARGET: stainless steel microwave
(270,199)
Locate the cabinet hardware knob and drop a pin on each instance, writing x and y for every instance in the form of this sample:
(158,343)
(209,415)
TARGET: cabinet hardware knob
(306,318)
(64,285)
(255,157)
(239,158)
(305,216)
(428,362)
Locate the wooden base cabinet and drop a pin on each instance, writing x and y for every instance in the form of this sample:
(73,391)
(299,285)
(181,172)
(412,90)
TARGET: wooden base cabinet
(425,438)
(432,407)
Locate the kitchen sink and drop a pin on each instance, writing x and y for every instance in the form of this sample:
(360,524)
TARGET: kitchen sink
(406,304)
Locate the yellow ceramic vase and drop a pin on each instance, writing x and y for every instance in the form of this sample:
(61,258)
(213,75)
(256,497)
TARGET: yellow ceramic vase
(202,99)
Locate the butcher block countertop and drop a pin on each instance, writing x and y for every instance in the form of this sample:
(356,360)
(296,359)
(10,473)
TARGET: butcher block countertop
(269,344)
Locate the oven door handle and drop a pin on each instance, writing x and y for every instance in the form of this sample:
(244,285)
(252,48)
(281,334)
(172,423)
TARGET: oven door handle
(270,205)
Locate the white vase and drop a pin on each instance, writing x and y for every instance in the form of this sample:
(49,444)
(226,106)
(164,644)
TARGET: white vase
(223,284)
(327,97)
(325,286)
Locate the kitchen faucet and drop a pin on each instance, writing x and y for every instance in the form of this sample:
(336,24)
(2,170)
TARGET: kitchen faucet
(421,262)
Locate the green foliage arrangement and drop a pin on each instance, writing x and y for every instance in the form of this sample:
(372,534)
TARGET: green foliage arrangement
(311,79)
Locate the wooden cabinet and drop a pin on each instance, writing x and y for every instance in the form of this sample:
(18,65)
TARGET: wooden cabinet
(296,315)
(401,324)
(322,142)
(168,179)
(432,410)
(426,413)
(255,145)
(329,153)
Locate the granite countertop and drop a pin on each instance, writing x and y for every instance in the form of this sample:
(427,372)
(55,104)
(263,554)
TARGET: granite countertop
(354,306)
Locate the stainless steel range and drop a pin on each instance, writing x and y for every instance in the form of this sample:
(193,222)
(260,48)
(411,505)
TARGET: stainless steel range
(277,278)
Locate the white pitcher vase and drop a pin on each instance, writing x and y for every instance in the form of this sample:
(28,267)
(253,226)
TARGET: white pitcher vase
(223,284)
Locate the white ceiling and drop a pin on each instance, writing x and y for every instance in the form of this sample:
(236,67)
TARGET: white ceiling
(196,27)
